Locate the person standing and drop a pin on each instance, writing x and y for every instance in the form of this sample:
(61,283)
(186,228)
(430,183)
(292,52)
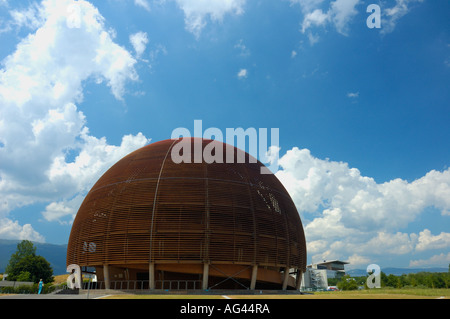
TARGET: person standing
(41,285)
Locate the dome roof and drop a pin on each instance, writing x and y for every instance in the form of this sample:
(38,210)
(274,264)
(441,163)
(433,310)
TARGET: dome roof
(149,208)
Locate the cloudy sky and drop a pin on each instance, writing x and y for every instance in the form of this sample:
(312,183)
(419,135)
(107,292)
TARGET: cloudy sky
(363,113)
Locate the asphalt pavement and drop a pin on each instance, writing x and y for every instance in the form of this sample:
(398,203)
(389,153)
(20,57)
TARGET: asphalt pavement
(84,295)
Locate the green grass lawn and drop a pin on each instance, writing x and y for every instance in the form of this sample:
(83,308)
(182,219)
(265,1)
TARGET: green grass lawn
(384,293)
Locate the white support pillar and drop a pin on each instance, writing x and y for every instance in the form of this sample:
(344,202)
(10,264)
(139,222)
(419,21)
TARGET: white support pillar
(205,276)
(106,276)
(299,279)
(254,275)
(285,279)
(151,275)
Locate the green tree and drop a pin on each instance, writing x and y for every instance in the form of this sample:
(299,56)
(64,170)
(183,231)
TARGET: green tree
(393,281)
(24,248)
(347,283)
(447,280)
(24,276)
(384,279)
(25,264)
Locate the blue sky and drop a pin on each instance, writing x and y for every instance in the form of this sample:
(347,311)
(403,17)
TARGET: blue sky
(362,113)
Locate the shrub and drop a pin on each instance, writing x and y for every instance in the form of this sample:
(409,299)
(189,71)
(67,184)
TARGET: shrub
(347,283)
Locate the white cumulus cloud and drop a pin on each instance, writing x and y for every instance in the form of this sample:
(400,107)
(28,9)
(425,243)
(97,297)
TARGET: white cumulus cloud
(392,15)
(345,212)
(143,4)
(139,41)
(337,13)
(428,241)
(12,230)
(242,74)
(197,12)
(41,86)
(442,259)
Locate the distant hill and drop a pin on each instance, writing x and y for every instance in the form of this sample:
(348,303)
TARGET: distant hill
(54,254)
(395,271)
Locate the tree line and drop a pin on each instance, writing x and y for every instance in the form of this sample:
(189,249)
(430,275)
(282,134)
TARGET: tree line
(421,279)
(412,280)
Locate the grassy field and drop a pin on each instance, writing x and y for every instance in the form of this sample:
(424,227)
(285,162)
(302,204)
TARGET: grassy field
(384,293)
(361,294)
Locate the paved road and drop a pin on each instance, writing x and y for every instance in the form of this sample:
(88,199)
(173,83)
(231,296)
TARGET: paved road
(54,296)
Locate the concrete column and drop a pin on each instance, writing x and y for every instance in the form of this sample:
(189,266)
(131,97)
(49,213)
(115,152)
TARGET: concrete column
(298,283)
(106,276)
(285,279)
(205,276)
(151,275)
(254,275)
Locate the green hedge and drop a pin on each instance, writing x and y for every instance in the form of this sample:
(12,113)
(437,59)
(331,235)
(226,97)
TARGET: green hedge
(28,289)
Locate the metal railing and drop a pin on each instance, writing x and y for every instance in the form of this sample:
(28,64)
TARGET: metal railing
(144,285)
(179,284)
